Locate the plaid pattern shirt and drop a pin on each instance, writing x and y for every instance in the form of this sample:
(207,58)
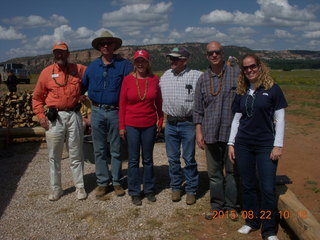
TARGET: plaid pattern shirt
(214,112)
(178,92)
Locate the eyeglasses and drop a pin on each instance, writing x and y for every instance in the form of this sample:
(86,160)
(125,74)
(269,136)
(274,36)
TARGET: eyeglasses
(102,44)
(251,67)
(174,58)
(217,52)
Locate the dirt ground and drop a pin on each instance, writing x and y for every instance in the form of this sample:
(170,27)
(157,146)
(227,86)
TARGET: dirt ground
(300,162)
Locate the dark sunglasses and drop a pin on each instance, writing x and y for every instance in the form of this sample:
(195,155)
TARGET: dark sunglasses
(251,67)
(217,52)
(174,58)
(107,43)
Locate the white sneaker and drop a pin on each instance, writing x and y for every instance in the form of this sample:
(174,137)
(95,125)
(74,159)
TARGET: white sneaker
(245,229)
(273,237)
(55,195)
(81,194)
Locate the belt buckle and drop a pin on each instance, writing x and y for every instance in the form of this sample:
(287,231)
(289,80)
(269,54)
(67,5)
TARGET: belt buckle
(173,121)
(108,107)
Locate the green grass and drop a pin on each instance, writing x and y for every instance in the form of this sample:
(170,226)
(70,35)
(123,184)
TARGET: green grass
(312,185)
(297,77)
(301,89)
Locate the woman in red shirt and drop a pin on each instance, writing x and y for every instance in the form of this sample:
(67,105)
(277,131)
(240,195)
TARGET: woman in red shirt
(140,119)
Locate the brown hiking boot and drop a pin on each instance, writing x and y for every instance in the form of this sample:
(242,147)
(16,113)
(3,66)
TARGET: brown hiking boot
(119,190)
(191,199)
(101,191)
(176,196)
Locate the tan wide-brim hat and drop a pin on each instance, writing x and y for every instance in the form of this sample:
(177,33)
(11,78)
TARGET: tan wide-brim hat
(106,36)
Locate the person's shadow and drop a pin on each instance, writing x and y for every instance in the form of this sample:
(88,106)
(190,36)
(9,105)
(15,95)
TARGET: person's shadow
(14,160)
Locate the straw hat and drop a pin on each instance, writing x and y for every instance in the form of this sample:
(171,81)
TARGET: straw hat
(106,36)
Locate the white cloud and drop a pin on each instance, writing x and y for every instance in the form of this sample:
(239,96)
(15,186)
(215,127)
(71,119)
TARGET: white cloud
(217,16)
(57,20)
(282,34)
(138,17)
(34,21)
(283,10)
(315,34)
(84,32)
(10,34)
(314,44)
(286,23)
(136,33)
(161,28)
(264,43)
(198,34)
(175,35)
(247,19)
(154,40)
(76,39)
(271,13)
(310,26)
(242,41)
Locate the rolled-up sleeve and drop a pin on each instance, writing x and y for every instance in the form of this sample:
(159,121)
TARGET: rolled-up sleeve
(38,98)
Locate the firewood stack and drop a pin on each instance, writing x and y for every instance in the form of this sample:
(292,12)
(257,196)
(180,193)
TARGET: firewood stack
(16,110)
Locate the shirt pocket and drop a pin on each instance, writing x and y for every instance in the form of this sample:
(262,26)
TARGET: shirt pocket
(74,87)
(115,82)
(54,89)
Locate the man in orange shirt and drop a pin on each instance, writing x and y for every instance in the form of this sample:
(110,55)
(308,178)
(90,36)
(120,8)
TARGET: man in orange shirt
(59,88)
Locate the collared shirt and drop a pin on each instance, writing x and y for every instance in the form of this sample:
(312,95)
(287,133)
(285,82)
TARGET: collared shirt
(51,92)
(178,92)
(214,112)
(103,82)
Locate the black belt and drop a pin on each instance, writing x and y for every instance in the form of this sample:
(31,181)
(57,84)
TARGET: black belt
(174,120)
(52,112)
(105,106)
(76,108)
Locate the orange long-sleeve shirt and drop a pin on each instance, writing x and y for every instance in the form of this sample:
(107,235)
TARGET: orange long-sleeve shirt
(48,92)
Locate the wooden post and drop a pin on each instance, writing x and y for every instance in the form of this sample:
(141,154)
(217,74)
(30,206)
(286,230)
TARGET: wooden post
(22,132)
(297,216)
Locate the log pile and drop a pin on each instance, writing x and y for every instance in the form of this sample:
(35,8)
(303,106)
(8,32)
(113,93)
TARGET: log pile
(16,110)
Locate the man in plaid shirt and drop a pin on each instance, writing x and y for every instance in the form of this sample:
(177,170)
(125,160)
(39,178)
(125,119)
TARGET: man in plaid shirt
(214,94)
(177,87)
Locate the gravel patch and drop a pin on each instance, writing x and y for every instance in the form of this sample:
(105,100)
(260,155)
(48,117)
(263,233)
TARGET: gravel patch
(26,212)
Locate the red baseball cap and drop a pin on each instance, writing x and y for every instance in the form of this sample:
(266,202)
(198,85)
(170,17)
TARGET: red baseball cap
(141,53)
(60,45)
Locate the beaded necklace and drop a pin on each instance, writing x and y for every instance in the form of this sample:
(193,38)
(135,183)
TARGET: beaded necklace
(249,107)
(66,76)
(220,75)
(138,88)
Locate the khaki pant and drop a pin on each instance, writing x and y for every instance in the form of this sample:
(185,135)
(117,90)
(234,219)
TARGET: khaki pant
(67,128)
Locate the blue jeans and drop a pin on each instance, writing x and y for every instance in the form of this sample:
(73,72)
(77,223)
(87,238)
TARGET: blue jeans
(140,138)
(182,133)
(258,171)
(223,188)
(105,126)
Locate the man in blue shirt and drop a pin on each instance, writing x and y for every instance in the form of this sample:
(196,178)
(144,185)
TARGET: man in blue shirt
(102,80)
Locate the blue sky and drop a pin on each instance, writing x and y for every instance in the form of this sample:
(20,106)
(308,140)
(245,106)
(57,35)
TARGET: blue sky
(29,27)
